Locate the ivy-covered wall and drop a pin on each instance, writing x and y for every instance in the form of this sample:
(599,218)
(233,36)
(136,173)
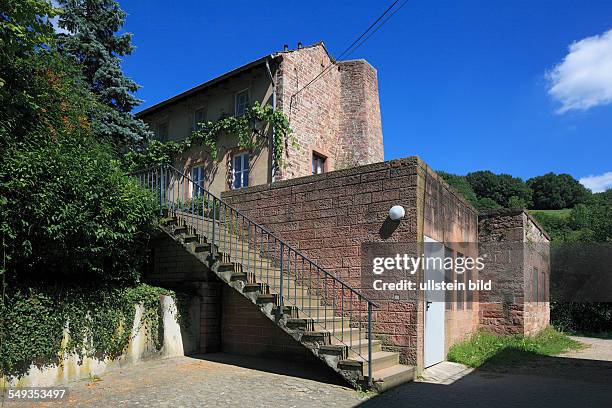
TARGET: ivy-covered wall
(55,335)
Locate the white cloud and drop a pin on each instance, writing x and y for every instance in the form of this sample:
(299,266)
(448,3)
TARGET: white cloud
(584,78)
(597,184)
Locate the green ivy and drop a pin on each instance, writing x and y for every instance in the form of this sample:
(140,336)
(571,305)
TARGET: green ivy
(206,134)
(99,320)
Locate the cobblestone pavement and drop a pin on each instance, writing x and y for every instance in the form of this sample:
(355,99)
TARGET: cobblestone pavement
(215,382)
(220,380)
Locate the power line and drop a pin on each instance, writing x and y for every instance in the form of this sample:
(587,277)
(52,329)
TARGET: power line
(355,44)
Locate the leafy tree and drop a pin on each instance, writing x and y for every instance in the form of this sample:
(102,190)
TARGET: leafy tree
(556,191)
(499,187)
(24,26)
(486,203)
(460,184)
(97,49)
(67,208)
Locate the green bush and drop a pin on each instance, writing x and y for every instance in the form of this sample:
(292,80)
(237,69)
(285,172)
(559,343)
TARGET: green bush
(68,211)
(582,317)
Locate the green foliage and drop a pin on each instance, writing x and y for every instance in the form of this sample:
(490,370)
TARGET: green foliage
(24,27)
(582,317)
(591,222)
(494,349)
(96,48)
(485,203)
(499,187)
(207,133)
(99,320)
(68,209)
(460,184)
(486,190)
(556,191)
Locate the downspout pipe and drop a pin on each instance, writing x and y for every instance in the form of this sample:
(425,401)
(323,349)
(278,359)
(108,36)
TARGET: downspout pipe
(271,142)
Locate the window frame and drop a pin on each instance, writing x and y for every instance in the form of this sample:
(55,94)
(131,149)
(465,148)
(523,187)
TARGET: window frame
(199,181)
(194,122)
(242,171)
(248,101)
(323,167)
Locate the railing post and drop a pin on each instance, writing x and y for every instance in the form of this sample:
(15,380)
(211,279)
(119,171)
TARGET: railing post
(161,189)
(279,313)
(370,344)
(214,215)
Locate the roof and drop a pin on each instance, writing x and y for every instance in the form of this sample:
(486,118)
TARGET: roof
(205,85)
(227,75)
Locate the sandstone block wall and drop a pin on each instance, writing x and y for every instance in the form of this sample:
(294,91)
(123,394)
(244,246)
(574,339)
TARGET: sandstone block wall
(519,266)
(337,116)
(329,217)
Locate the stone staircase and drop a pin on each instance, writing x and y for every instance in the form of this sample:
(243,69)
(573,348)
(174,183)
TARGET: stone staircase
(320,311)
(306,316)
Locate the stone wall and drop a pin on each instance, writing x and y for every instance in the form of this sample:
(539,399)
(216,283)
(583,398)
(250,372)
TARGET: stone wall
(247,331)
(337,116)
(360,125)
(451,220)
(175,268)
(519,266)
(329,217)
(140,347)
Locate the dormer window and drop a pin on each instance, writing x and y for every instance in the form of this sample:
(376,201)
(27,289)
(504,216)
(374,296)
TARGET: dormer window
(242,102)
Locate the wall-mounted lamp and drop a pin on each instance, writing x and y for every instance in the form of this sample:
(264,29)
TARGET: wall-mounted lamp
(397,212)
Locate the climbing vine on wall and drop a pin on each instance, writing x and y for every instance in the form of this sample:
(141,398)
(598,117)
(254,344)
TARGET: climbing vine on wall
(99,320)
(207,133)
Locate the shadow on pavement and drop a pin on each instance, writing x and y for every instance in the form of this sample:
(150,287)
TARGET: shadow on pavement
(311,370)
(526,380)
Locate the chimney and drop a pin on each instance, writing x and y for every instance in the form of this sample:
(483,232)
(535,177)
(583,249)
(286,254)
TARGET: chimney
(299,45)
(285,48)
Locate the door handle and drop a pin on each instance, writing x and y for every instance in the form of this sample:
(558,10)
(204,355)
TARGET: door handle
(427,304)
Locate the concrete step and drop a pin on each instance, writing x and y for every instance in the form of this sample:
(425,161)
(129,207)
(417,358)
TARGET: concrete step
(354,347)
(315,311)
(344,335)
(393,376)
(380,361)
(332,323)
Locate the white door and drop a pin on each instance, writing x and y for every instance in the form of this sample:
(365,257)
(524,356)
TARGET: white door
(434,305)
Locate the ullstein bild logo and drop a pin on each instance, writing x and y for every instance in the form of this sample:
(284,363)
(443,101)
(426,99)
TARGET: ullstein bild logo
(436,266)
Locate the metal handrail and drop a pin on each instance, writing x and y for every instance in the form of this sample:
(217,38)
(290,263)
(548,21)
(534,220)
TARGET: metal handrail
(156,178)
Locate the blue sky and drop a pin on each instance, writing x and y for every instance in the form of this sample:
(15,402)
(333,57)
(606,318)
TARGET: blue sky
(463,84)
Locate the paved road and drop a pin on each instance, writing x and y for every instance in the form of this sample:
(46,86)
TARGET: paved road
(572,380)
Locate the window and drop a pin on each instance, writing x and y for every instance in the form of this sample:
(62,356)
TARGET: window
(240,176)
(197,178)
(242,102)
(318,164)
(199,116)
(162,131)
